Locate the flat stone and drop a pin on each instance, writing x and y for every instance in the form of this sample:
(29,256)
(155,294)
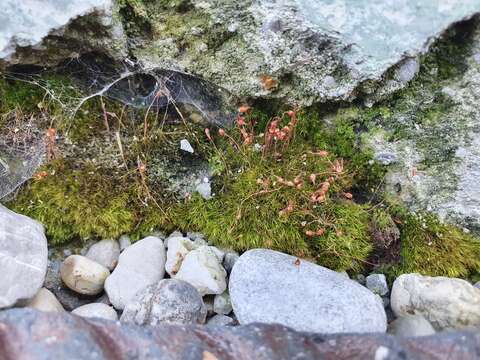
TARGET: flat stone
(447,303)
(140,265)
(83,275)
(169,301)
(412,325)
(270,287)
(96,310)
(203,270)
(45,300)
(105,252)
(23,257)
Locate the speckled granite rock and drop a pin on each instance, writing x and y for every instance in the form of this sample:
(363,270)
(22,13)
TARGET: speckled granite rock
(28,334)
(270,287)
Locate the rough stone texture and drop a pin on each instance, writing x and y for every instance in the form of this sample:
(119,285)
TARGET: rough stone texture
(29,29)
(83,275)
(445,302)
(229,260)
(302,50)
(435,165)
(96,310)
(267,286)
(178,248)
(45,300)
(29,334)
(168,302)
(105,252)
(413,325)
(203,270)
(377,283)
(139,265)
(23,257)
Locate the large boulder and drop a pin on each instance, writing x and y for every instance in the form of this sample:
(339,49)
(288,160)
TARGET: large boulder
(445,302)
(169,301)
(270,287)
(30,334)
(139,265)
(28,30)
(23,257)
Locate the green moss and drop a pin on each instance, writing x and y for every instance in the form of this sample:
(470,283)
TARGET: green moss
(431,247)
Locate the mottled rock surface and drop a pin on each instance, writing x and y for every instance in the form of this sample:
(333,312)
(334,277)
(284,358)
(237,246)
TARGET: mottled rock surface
(23,257)
(28,334)
(446,302)
(270,287)
(168,302)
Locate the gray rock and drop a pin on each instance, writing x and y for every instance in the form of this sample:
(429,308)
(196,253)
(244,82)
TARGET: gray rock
(222,304)
(83,275)
(203,270)
(45,300)
(413,325)
(445,302)
(124,242)
(23,257)
(169,301)
(361,279)
(205,190)
(229,260)
(140,265)
(101,339)
(269,41)
(377,283)
(208,301)
(477,285)
(220,320)
(105,252)
(43,33)
(96,310)
(270,287)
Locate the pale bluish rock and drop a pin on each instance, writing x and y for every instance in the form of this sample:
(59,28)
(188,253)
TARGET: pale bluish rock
(270,287)
(23,257)
(377,283)
(411,325)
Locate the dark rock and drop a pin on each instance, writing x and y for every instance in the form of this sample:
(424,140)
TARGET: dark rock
(29,334)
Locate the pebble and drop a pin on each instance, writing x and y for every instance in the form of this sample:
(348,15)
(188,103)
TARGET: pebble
(96,310)
(45,300)
(83,275)
(105,252)
(377,283)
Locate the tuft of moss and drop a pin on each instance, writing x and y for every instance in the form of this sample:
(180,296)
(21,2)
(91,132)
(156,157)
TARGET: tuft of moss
(431,247)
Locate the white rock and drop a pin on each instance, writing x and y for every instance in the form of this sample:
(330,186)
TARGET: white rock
(444,302)
(205,190)
(412,325)
(83,275)
(124,242)
(222,304)
(45,300)
(178,248)
(185,146)
(105,252)
(377,283)
(202,269)
(267,286)
(23,257)
(139,266)
(96,310)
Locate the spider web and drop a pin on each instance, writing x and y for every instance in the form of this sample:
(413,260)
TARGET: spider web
(24,150)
